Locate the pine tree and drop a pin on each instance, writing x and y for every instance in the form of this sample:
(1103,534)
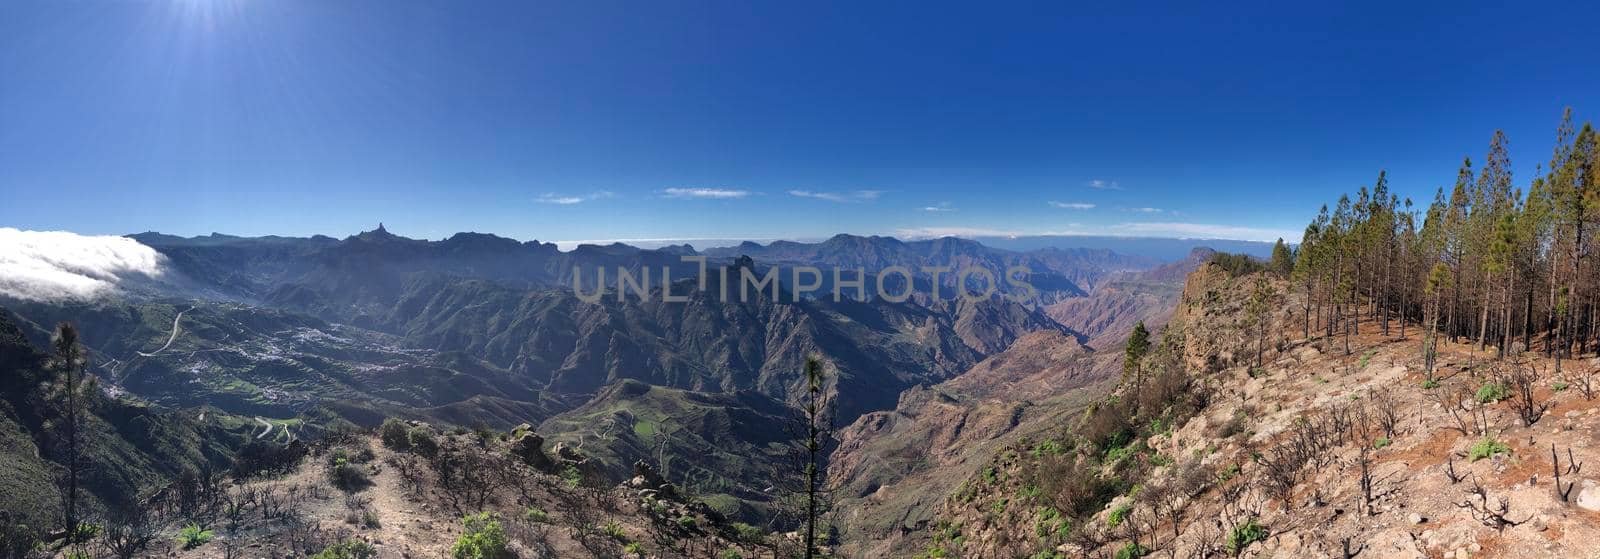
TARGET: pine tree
(1438,282)
(1487,262)
(1455,235)
(1282,259)
(1308,263)
(1410,247)
(1133,361)
(816,434)
(1260,308)
(69,391)
(1500,263)
(1491,200)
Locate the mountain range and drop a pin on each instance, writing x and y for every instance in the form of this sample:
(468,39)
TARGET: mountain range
(480,330)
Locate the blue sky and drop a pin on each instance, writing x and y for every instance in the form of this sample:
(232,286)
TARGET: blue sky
(602,120)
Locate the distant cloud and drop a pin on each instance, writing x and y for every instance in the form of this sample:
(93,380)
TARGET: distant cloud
(1203,231)
(550,198)
(940,207)
(57,265)
(936,232)
(1146,210)
(1102,184)
(1072,205)
(712,193)
(842,197)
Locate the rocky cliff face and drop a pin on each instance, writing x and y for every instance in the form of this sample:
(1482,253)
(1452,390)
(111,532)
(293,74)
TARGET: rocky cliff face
(892,468)
(1124,299)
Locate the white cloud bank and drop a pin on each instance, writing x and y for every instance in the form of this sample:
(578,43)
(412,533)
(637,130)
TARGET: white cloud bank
(1072,205)
(57,265)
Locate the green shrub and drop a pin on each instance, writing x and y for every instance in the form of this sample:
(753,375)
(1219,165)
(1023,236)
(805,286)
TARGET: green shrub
(1048,447)
(634,548)
(346,475)
(1492,392)
(86,531)
(1118,515)
(1051,523)
(1486,447)
(1381,442)
(1131,551)
(348,549)
(572,476)
(1558,386)
(483,538)
(422,442)
(686,521)
(1243,535)
(1123,452)
(731,553)
(1227,473)
(1043,528)
(536,515)
(1430,384)
(395,435)
(749,533)
(193,536)
(614,531)
(1160,426)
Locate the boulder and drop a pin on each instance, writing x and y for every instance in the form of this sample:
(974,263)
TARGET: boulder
(1589,497)
(646,477)
(528,447)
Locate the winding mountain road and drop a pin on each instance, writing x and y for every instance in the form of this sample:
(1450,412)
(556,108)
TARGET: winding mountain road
(170,338)
(268,428)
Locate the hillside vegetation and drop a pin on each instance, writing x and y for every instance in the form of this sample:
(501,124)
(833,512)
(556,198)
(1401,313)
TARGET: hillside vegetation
(1315,452)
